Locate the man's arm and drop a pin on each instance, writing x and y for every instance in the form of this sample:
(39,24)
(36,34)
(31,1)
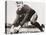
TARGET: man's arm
(26,16)
(23,21)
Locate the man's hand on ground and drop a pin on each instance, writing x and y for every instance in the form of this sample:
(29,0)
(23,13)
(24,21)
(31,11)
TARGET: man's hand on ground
(17,28)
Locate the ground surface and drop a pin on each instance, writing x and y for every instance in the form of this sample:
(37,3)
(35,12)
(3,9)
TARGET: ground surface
(25,30)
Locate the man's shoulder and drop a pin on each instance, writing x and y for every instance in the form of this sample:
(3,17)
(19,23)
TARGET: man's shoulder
(26,6)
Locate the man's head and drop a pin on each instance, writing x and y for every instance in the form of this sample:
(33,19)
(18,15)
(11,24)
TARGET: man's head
(19,4)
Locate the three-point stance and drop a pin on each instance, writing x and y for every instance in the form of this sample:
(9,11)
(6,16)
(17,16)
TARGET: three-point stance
(25,14)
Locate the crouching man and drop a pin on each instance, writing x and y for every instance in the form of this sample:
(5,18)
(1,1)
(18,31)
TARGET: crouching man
(25,14)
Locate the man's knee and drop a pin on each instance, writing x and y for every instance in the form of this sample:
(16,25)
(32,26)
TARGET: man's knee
(34,18)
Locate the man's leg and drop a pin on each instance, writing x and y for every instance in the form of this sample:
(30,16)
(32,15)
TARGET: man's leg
(36,24)
(34,18)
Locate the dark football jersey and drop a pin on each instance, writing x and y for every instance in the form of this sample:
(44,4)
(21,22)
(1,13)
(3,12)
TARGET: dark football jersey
(23,12)
(26,10)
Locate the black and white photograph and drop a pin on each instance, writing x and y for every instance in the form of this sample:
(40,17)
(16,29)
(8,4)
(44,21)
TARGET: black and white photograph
(24,17)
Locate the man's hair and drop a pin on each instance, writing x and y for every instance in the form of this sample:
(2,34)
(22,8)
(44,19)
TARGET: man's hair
(19,2)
